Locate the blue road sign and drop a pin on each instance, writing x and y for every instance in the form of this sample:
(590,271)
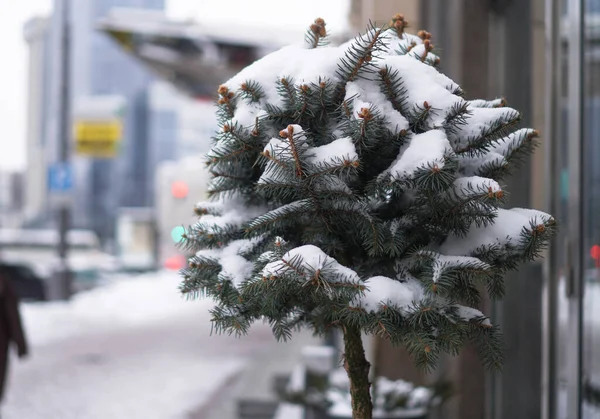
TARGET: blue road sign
(60,177)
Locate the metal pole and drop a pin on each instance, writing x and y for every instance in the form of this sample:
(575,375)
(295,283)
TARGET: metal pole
(552,169)
(63,274)
(575,266)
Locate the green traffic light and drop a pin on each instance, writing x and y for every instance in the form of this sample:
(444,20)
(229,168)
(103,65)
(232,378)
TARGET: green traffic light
(177,234)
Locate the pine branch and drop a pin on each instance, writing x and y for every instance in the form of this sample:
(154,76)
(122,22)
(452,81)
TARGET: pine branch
(490,346)
(393,88)
(496,103)
(226,103)
(289,135)
(285,88)
(275,219)
(286,191)
(357,61)
(418,117)
(316,34)
(489,134)
(456,117)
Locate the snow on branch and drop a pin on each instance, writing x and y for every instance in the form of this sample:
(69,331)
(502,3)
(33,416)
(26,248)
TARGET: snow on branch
(470,314)
(425,151)
(506,233)
(304,261)
(382,291)
(371,164)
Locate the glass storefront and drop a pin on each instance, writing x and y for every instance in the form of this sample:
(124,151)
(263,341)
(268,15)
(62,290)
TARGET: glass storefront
(590,377)
(575,264)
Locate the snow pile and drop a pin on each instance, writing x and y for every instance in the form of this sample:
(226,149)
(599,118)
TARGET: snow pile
(289,411)
(482,103)
(361,94)
(318,359)
(383,290)
(425,150)
(478,122)
(469,313)
(472,164)
(505,146)
(309,258)
(465,187)
(442,263)
(425,86)
(235,267)
(504,231)
(341,148)
(123,303)
(304,65)
(414,401)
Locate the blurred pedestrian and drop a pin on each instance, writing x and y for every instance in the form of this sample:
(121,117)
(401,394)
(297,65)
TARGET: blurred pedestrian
(11,328)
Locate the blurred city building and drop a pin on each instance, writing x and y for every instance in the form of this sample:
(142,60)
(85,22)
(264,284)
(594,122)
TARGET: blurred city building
(98,68)
(381,11)
(191,59)
(12,199)
(35,33)
(180,184)
(195,57)
(142,90)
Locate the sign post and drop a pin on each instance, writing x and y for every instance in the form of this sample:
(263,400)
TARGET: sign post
(60,182)
(61,174)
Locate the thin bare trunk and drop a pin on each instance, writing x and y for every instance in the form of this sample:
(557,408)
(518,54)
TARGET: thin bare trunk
(357,367)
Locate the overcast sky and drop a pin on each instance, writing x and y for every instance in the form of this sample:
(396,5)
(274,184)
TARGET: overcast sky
(267,14)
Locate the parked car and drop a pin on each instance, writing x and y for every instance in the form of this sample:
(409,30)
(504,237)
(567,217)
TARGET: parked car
(27,284)
(37,249)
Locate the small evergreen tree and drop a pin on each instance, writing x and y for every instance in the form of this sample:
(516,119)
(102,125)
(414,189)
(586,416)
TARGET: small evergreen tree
(355,188)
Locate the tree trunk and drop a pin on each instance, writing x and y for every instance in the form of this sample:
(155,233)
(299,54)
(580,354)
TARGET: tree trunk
(357,367)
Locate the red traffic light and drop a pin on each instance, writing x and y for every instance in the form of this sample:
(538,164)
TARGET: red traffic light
(179,189)
(595,254)
(175,263)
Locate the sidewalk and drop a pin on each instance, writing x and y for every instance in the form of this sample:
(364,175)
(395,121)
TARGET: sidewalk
(256,380)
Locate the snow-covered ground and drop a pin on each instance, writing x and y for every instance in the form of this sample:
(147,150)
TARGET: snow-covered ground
(132,349)
(125,302)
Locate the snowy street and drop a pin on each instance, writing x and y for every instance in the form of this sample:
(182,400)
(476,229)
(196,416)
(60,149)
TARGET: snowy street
(133,349)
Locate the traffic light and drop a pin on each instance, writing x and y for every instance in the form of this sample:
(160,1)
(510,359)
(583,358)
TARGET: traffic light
(177,234)
(179,189)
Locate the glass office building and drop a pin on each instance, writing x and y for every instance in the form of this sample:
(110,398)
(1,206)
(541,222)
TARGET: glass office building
(573,273)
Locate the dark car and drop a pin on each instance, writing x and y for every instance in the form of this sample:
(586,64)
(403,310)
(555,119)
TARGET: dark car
(27,284)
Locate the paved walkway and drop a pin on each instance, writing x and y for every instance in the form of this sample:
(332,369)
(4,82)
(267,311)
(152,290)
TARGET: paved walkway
(168,369)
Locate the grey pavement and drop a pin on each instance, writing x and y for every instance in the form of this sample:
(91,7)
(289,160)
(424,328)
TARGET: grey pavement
(167,369)
(255,380)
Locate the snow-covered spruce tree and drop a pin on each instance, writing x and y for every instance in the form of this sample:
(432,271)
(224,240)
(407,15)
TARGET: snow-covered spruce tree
(355,188)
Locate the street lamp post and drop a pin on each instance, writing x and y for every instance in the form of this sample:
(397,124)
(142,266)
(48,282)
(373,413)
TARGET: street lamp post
(62,273)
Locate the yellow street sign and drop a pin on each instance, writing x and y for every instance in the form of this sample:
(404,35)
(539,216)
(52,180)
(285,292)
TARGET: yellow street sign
(98,138)
(99,149)
(98,130)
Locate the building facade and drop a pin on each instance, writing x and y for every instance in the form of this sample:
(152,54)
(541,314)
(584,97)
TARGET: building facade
(35,33)
(381,11)
(495,49)
(572,327)
(98,67)
(543,57)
